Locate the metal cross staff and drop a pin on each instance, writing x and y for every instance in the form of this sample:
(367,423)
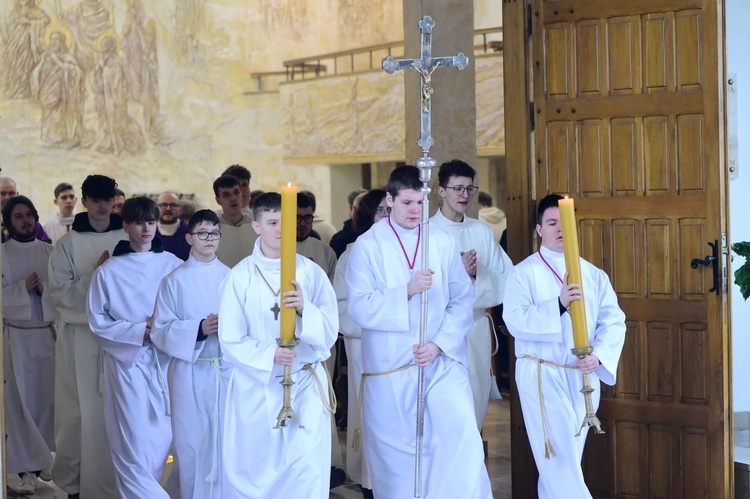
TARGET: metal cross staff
(426,65)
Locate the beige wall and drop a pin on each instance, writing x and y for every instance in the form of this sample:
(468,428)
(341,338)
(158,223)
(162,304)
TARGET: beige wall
(207,118)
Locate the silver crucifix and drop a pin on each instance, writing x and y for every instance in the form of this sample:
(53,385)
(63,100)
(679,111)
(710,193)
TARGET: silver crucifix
(426,65)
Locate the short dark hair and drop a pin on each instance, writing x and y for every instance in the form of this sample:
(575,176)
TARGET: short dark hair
(201,216)
(225,182)
(454,168)
(353,195)
(139,209)
(303,201)
(238,171)
(187,209)
(12,203)
(403,177)
(255,194)
(311,197)
(484,199)
(62,186)
(267,202)
(547,202)
(98,187)
(119,192)
(368,208)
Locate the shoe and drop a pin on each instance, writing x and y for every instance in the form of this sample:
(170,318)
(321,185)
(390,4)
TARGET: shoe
(28,484)
(46,475)
(338,477)
(367,493)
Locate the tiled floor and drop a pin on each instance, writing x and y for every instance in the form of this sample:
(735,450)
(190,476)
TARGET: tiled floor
(496,432)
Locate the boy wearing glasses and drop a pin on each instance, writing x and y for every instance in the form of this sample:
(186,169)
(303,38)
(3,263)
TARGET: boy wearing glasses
(120,307)
(185,325)
(312,248)
(171,230)
(238,234)
(487,266)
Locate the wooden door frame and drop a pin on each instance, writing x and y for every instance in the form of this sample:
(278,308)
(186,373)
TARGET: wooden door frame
(520,207)
(519,115)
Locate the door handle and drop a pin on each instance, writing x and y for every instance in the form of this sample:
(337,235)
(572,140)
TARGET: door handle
(712,260)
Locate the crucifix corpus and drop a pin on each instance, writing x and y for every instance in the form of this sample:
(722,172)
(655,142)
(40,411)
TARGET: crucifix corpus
(426,65)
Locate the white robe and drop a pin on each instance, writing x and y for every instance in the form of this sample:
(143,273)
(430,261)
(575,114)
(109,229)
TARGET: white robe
(493,266)
(237,241)
(136,399)
(29,355)
(262,461)
(57,226)
(356,466)
(532,315)
(325,257)
(82,460)
(452,456)
(198,376)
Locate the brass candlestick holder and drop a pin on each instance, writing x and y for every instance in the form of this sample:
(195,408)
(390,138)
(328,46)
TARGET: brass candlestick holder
(590,419)
(286,411)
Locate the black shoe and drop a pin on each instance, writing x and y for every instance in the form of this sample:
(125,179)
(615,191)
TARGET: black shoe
(338,477)
(367,493)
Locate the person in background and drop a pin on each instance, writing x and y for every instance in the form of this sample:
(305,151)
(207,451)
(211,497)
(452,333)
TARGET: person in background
(347,234)
(243,176)
(171,230)
(491,215)
(62,219)
(119,200)
(238,236)
(29,337)
(320,229)
(8,189)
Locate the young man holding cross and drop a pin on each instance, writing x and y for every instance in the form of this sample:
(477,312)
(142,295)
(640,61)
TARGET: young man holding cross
(384,285)
(294,462)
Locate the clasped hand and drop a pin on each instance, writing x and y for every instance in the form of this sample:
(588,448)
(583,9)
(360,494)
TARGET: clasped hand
(570,292)
(469,259)
(294,298)
(420,281)
(33,282)
(426,354)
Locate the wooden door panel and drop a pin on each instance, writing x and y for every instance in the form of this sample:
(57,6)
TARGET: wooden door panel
(627,110)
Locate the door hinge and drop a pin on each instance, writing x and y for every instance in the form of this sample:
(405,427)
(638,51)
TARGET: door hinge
(724,263)
(531,116)
(528,21)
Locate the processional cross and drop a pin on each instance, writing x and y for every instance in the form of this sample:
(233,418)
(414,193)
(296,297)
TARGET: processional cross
(426,65)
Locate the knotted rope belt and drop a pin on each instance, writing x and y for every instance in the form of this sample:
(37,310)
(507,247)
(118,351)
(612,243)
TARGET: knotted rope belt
(549,450)
(330,401)
(358,419)
(47,325)
(215,363)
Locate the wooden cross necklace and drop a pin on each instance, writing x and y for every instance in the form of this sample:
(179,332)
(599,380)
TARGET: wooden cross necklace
(275,309)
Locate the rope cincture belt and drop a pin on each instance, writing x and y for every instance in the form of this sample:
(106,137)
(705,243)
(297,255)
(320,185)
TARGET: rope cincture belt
(216,364)
(549,450)
(358,419)
(48,325)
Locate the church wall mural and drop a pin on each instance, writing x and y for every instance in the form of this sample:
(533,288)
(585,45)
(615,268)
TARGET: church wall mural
(156,94)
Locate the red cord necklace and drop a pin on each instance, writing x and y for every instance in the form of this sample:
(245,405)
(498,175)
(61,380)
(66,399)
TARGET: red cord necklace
(549,266)
(419,236)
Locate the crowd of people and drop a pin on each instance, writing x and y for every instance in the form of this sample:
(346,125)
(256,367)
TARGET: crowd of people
(160,333)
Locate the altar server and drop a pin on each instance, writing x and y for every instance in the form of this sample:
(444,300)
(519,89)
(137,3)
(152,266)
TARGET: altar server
(136,398)
(290,461)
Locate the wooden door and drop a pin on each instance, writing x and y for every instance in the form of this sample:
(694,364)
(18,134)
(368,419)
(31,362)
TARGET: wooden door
(628,119)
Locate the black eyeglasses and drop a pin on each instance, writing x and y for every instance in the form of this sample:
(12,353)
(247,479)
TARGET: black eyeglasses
(174,206)
(307,219)
(459,189)
(382,211)
(205,236)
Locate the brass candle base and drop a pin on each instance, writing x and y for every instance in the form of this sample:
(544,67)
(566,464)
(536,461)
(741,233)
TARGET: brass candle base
(590,418)
(286,413)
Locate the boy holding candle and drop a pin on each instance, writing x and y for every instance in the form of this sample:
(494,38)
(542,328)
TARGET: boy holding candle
(384,282)
(548,375)
(294,462)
